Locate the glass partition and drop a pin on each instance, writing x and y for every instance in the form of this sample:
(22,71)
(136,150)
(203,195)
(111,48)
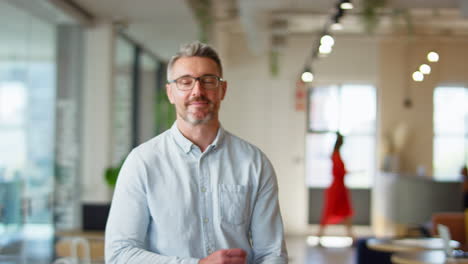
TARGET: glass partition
(122,101)
(27,133)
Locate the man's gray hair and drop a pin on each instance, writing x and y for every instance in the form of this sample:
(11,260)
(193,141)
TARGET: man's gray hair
(195,49)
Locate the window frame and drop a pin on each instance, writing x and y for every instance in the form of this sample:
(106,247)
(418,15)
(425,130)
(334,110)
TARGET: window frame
(373,136)
(448,135)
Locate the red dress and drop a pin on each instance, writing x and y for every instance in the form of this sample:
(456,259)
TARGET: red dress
(337,204)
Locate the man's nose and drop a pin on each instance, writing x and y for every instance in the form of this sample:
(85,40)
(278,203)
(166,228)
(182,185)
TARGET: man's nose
(197,88)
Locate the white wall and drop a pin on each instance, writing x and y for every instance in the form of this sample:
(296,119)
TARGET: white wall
(97,118)
(400,58)
(261,108)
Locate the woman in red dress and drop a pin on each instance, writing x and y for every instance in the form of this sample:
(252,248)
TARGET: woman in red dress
(337,207)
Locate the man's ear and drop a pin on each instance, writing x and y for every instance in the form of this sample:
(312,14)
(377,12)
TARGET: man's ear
(169,94)
(223,89)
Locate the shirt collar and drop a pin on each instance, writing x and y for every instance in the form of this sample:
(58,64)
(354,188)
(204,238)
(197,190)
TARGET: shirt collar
(187,145)
(219,137)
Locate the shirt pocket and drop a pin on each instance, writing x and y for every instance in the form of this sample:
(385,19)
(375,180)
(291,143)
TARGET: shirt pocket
(234,203)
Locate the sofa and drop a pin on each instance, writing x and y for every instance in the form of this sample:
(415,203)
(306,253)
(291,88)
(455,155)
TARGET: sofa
(457,224)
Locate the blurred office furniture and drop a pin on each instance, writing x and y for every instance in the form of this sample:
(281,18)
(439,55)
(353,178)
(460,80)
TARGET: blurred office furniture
(11,250)
(67,260)
(401,202)
(426,257)
(88,247)
(375,250)
(88,243)
(10,203)
(95,216)
(455,221)
(11,241)
(366,255)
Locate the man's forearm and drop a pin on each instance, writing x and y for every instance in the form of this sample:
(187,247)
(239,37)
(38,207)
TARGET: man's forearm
(130,254)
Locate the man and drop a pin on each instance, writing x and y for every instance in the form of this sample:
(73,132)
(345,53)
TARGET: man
(196,193)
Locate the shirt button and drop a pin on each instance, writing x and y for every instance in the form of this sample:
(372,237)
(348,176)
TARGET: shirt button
(206,220)
(203,189)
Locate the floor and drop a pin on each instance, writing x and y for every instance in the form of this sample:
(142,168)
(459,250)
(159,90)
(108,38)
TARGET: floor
(301,252)
(334,250)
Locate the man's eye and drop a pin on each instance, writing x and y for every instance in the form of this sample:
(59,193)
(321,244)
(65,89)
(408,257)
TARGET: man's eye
(209,80)
(185,81)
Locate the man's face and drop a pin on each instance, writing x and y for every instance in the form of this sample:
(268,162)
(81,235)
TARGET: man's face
(198,105)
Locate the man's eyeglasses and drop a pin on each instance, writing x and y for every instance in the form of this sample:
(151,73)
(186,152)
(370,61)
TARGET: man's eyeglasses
(208,82)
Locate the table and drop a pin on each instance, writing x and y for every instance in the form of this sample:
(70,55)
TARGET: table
(79,233)
(94,238)
(408,244)
(425,257)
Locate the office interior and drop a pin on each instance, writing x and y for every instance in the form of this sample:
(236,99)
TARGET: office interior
(82,82)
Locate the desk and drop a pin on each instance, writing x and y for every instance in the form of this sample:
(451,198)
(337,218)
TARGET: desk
(95,240)
(408,244)
(425,257)
(78,233)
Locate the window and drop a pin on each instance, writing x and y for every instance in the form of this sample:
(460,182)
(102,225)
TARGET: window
(27,129)
(122,101)
(27,112)
(165,114)
(139,87)
(450,132)
(350,109)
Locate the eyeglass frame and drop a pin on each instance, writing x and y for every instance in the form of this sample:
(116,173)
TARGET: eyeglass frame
(220,80)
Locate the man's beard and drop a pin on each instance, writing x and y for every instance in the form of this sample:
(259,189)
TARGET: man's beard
(191,119)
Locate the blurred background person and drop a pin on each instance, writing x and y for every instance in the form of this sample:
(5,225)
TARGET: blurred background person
(337,206)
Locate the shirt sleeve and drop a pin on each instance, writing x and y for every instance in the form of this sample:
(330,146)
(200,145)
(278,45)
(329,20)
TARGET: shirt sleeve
(129,218)
(266,225)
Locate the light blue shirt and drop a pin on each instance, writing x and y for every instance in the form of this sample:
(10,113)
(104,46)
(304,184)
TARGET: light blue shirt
(176,204)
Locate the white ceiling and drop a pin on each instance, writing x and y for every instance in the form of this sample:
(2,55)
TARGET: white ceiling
(162,25)
(310,16)
(159,25)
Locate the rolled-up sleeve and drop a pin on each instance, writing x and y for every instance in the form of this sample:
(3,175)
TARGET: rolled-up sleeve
(129,217)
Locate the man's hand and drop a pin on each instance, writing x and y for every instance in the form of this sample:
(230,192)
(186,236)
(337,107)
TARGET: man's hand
(226,256)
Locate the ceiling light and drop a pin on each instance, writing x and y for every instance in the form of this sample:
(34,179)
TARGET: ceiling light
(327,40)
(346,4)
(425,69)
(307,76)
(325,49)
(433,56)
(336,26)
(418,76)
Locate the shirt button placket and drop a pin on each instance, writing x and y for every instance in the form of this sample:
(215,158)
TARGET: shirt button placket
(204,181)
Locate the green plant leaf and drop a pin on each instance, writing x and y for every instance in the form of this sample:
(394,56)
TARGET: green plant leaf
(112,173)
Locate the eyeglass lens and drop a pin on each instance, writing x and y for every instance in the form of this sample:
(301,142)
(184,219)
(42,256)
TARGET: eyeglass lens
(187,82)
